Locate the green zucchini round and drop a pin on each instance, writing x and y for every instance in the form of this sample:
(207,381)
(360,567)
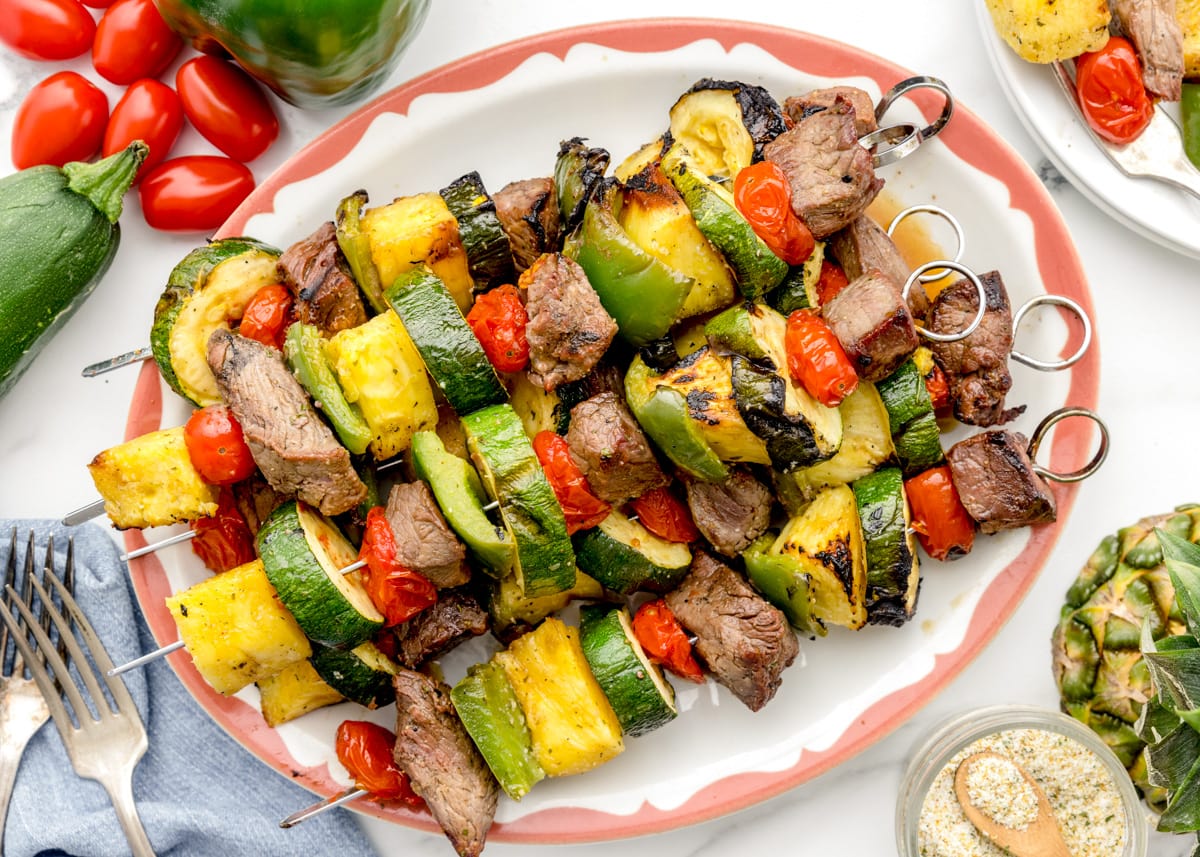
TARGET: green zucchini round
(362,674)
(639,694)
(626,557)
(60,234)
(447,345)
(303,553)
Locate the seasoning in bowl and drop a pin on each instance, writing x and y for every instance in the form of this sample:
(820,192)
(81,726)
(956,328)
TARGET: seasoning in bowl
(1079,787)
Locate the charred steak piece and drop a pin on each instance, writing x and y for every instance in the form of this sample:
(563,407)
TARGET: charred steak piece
(994,478)
(864,245)
(256,500)
(800,107)
(1154,30)
(831,175)
(609,447)
(433,748)
(568,329)
(453,619)
(318,275)
(873,324)
(730,514)
(296,452)
(976,368)
(528,213)
(744,641)
(424,541)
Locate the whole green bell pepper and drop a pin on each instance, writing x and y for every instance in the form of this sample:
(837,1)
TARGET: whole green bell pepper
(317,54)
(643,295)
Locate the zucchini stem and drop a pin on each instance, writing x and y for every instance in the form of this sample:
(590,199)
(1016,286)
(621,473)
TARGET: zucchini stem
(105,182)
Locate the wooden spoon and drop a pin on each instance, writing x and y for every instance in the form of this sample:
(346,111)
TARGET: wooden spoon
(1040,839)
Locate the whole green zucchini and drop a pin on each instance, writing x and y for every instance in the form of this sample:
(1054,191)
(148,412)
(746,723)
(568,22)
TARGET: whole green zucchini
(58,235)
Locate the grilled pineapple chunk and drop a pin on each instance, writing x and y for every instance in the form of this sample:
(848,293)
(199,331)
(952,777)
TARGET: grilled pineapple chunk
(236,630)
(419,230)
(379,368)
(1049,30)
(866,444)
(1188,13)
(657,219)
(826,543)
(150,482)
(294,691)
(572,724)
(704,380)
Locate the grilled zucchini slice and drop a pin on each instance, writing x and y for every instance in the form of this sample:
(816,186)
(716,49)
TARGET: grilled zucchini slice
(893,572)
(656,217)
(626,557)
(208,289)
(489,256)
(507,605)
(725,124)
(362,674)
(826,543)
(640,695)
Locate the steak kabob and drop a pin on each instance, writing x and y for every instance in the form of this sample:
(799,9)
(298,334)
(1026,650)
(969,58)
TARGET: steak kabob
(717,456)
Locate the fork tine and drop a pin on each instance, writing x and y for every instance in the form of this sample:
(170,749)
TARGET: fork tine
(91,639)
(44,617)
(68,579)
(27,582)
(76,653)
(38,670)
(10,577)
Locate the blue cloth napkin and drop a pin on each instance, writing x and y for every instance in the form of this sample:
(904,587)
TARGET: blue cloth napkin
(198,792)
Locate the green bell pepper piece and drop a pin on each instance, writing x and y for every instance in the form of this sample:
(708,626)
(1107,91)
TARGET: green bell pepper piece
(643,295)
(304,350)
(315,54)
(782,583)
(356,247)
(663,414)
(1189,106)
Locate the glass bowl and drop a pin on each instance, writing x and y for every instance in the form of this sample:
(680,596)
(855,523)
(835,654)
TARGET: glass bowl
(965,729)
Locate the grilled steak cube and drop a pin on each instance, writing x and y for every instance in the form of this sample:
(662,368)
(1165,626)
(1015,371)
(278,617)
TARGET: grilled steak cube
(873,325)
(256,500)
(453,619)
(745,642)
(994,478)
(800,107)
(609,447)
(434,750)
(831,175)
(976,368)
(864,245)
(730,514)
(296,452)
(319,276)
(1154,29)
(568,329)
(528,213)
(424,541)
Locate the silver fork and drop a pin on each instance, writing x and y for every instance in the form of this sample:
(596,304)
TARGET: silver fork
(1156,154)
(22,707)
(103,742)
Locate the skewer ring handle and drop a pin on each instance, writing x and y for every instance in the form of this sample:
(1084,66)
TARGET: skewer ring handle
(901,140)
(920,81)
(1055,417)
(915,276)
(1076,310)
(937,210)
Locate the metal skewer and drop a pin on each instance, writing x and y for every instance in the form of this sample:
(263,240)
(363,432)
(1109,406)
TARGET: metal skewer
(117,362)
(165,543)
(352,793)
(147,658)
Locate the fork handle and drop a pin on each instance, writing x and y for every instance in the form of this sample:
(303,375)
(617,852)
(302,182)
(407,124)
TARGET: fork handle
(120,791)
(11,750)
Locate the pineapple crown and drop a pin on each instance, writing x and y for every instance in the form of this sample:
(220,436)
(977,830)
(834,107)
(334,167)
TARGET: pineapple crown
(1170,722)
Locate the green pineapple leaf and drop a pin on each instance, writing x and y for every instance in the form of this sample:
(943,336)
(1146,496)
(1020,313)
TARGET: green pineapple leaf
(1183,563)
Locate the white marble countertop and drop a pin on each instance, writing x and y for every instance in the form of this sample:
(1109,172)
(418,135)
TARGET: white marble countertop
(1145,299)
